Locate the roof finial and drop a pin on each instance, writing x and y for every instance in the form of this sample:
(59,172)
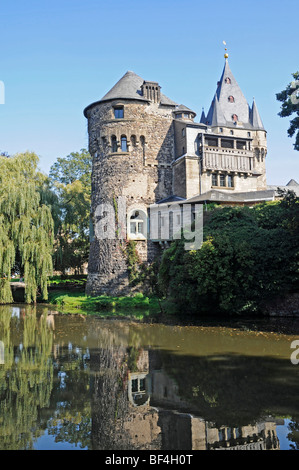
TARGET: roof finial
(226,54)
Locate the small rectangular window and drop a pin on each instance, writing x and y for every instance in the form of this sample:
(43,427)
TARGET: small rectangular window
(119,112)
(222,180)
(214,180)
(230,181)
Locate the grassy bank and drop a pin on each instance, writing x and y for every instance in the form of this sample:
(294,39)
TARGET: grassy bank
(75,301)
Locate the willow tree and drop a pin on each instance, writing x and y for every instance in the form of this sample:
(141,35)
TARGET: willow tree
(26,226)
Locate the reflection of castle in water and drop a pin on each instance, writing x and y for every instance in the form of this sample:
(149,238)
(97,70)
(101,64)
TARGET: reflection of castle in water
(128,397)
(157,411)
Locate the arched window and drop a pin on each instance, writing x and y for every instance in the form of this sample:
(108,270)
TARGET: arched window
(234,117)
(228,80)
(137,225)
(124,144)
(113,143)
(231,99)
(133,140)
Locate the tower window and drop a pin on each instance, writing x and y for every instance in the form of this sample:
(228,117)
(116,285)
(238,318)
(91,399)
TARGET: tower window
(228,80)
(124,145)
(133,140)
(231,99)
(234,117)
(113,143)
(119,112)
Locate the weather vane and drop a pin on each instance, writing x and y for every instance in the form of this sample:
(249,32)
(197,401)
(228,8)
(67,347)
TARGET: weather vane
(226,54)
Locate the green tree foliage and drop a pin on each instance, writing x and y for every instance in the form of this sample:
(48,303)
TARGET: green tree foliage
(248,257)
(70,191)
(26,226)
(290,105)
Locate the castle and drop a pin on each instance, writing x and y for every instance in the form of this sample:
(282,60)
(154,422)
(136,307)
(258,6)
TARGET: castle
(148,150)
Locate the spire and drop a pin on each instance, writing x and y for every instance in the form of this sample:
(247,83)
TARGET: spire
(255,119)
(232,105)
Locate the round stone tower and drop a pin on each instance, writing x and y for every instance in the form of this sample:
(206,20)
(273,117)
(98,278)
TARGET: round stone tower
(131,141)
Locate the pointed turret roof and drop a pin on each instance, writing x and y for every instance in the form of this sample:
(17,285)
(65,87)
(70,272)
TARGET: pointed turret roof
(255,118)
(129,87)
(230,107)
(203,118)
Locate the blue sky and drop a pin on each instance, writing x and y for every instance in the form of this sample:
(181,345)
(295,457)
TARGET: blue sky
(56,57)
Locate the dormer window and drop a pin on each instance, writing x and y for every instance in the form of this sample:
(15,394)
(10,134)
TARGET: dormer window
(231,99)
(119,112)
(228,80)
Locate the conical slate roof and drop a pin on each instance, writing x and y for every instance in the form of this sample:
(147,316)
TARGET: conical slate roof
(181,108)
(230,107)
(129,87)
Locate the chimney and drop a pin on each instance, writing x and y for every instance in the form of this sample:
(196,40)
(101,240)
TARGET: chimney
(151,91)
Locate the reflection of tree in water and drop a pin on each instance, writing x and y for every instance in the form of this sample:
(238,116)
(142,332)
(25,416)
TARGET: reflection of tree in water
(25,377)
(293,436)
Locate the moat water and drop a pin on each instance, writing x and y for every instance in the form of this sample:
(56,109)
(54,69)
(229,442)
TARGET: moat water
(82,382)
